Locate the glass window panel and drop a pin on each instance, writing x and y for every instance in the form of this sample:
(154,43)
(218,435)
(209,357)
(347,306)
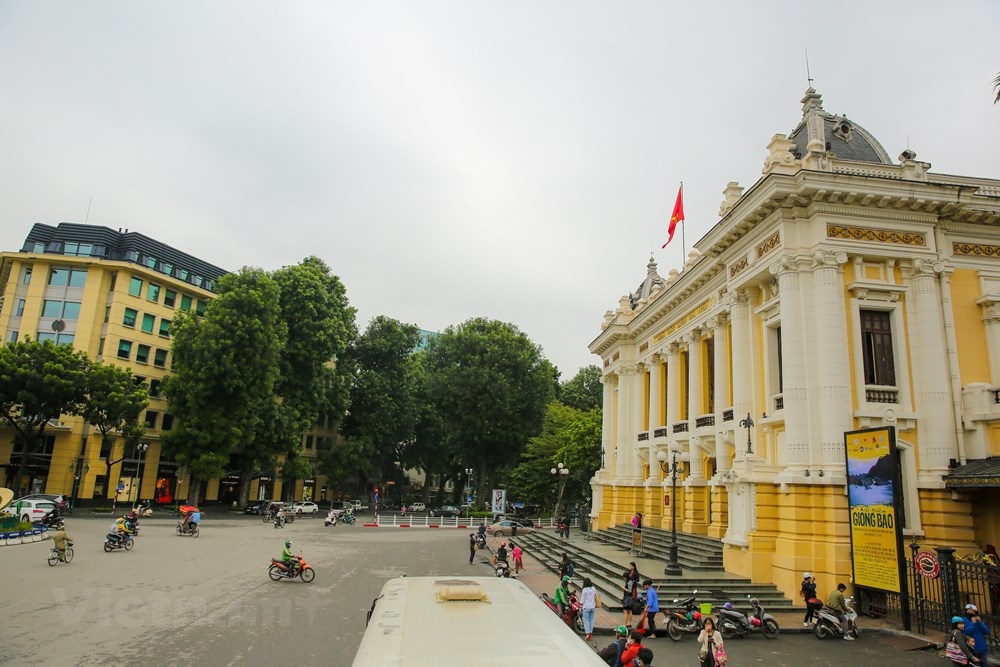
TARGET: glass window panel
(135,286)
(169,298)
(27,276)
(151,417)
(168,422)
(132,256)
(155,388)
(185,302)
(153,293)
(124,349)
(45,335)
(130,315)
(58,276)
(100,347)
(65,339)
(77,277)
(168,268)
(147,322)
(142,354)
(71,311)
(164,327)
(20,308)
(160,358)
(12,337)
(52,308)
(201,307)
(150,262)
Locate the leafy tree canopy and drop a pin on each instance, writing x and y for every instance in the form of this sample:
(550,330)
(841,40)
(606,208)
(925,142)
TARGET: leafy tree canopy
(584,391)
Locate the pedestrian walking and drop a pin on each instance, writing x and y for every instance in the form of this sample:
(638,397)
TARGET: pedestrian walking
(472,547)
(588,600)
(652,607)
(630,593)
(711,644)
(958,649)
(566,527)
(518,562)
(807,591)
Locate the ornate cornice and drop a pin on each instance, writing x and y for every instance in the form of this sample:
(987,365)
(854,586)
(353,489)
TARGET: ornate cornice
(853,233)
(975,249)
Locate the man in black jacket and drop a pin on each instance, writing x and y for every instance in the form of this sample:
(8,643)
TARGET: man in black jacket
(612,653)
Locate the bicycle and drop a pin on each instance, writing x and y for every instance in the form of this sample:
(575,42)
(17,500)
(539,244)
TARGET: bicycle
(55,556)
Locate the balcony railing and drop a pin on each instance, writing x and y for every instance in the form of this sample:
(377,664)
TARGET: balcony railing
(659,432)
(779,402)
(680,427)
(644,436)
(881,394)
(705,420)
(727,415)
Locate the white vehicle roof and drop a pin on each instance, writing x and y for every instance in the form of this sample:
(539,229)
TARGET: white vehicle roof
(420,621)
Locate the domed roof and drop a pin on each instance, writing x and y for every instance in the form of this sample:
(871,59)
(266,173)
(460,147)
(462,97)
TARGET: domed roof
(835,134)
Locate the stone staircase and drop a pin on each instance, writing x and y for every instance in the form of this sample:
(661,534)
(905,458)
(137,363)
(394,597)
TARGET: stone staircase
(605,567)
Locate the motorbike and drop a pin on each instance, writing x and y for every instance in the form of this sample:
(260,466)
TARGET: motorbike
(55,556)
(828,622)
(189,528)
(132,523)
(480,541)
(121,542)
(279,520)
(732,623)
(279,570)
(332,518)
(502,568)
(53,520)
(573,613)
(684,617)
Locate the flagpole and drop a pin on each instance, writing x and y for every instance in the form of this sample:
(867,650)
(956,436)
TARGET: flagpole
(684,253)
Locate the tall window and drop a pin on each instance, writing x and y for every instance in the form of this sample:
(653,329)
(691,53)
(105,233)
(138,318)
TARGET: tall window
(151,418)
(876,341)
(169,298)
(27,276)
(160,358)
(781,370)
(185,302)
(153,293)
(135,286)
(142,354)
(164,327)
(124,349)
(12,337)
(51,308)
(710,363)
(71,310)
(147,322)
(130,315)
(20,308)
(77,277)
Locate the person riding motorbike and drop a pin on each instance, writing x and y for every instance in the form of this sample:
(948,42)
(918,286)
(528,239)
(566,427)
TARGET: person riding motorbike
(118,531)
(502,552)
(482,529)
(561,598)
(279,517)
(191,519)
(289,559)
(838,603)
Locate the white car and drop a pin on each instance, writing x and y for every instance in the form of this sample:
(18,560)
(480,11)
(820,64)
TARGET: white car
(306,508)
(416,507)
(31,510)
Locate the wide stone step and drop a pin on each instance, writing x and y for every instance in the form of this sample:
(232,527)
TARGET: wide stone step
(716,588)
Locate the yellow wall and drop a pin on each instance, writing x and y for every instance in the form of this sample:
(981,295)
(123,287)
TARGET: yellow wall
(969,330)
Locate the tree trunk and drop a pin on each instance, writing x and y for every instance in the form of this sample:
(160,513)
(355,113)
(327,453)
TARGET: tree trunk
(194,492)
(244,494)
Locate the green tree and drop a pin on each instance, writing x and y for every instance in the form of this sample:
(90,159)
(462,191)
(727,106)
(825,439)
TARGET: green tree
(39,382)
(115,400)
(320,325)
(350,460)
(225,369)
(491,385)
(384,394)
(584,391)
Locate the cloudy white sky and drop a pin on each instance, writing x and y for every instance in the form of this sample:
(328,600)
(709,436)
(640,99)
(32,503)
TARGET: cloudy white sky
(514,160)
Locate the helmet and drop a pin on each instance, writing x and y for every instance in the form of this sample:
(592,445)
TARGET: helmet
(621,630)
(957,619)
(728,605)
(697,616)
(566,578)
(288,543)
(971,607)
(807,575)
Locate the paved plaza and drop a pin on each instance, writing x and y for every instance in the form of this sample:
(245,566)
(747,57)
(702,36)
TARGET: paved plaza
(208,601)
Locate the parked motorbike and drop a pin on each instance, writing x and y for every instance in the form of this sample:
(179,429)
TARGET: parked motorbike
(501,569)
(189,528)
(684,617)
(828,622)
(55,556)
(732,623)
(480,541)
(573,613)
(279,570)
(121,542)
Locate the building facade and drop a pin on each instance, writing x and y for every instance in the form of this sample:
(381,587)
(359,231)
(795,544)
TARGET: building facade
(841,291)
(113,294)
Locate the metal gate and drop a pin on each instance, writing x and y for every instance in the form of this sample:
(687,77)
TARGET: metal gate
(933,600)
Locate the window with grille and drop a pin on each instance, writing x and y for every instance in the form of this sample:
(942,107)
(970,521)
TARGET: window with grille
(876,340)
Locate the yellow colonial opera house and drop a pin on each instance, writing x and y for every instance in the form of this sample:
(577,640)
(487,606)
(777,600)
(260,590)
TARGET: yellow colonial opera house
(841,291)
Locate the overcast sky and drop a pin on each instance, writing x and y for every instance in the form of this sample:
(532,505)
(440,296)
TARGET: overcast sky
(512,160)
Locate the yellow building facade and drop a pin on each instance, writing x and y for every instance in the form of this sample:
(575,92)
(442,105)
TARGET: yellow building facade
(113,294)
(843,290)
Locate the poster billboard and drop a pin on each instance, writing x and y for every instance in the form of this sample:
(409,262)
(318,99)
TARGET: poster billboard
(873,494)
(499,501)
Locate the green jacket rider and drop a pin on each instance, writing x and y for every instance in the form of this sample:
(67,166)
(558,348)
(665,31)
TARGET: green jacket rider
(561,598)
(287,557)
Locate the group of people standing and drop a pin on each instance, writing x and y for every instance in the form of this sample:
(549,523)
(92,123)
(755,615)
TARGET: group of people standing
(967,643)
(836,602)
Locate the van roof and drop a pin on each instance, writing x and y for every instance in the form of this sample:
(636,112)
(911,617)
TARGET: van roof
(422,620)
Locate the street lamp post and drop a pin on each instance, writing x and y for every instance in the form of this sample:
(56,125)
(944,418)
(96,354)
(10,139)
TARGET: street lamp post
(748,424)
(468,485)
(141,448)
(676,465)
(562,473)
(80,467)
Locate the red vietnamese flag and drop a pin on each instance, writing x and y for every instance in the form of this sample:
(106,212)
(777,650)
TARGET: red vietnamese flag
(677,215)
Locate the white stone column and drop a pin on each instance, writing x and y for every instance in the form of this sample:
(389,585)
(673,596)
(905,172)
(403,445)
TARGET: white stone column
(608,426)
(720,334)
(931,382)
(829,333)
(696,401)
(794,371)
(656,413)
(673,388)
(742,346)
(638,380)
(623,436)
